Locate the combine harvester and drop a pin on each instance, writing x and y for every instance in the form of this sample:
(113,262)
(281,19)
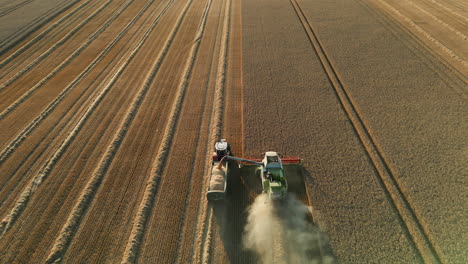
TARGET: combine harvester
(270,170)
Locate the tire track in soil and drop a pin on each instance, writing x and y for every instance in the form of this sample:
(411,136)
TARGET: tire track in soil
(448,73)
(90,153)
(438,20)
(145,208)
(66,122)
(63,64)
(63,125)
(203,232)
(55,46)
(6,3)
(190,213)
(416,231)
(152,115)
(447,51)
(33,42)
(9,43)
(8,150)
(449,10)
(229,220)
(32,186)
(6,11)
(86,197)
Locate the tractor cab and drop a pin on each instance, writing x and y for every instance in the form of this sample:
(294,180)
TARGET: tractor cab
(222,148)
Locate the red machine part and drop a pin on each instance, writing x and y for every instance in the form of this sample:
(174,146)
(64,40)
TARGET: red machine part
(285,160)
(291,160)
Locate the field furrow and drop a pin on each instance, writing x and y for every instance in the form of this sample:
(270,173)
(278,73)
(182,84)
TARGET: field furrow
(27,22)
(33,89)
(37,40)
(17,76)
(444,40)
(177,173)
(392,187)
(32,125)
(143,142)
(63,119)
(399,108)
(140,62)
(12,7)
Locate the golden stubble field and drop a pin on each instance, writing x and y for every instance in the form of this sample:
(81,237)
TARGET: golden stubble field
(109,110)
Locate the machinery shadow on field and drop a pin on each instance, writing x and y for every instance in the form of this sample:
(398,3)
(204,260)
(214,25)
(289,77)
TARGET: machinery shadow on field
(231,216)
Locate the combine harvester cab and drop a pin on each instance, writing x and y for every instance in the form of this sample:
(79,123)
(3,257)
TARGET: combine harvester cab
(272,175)
(219,172)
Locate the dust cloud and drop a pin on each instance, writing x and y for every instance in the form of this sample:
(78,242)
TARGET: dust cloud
(281,233)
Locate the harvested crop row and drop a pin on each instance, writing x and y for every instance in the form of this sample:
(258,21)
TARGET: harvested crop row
(45,54)
(444,68)
(39,36)
(447,49)
(392,186)
(205,75)
(449,10)
(13,7)
(30,127)
(129,174)
(181,173)
(228,222)
(63,120)
(31,23)
(439,21)
(68,181)
(88,193)
(9,220)
(46,92)
(62,65)
(202,242)
(145,207)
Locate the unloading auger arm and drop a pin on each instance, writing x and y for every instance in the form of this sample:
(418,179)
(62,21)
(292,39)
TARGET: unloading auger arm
(240,159)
